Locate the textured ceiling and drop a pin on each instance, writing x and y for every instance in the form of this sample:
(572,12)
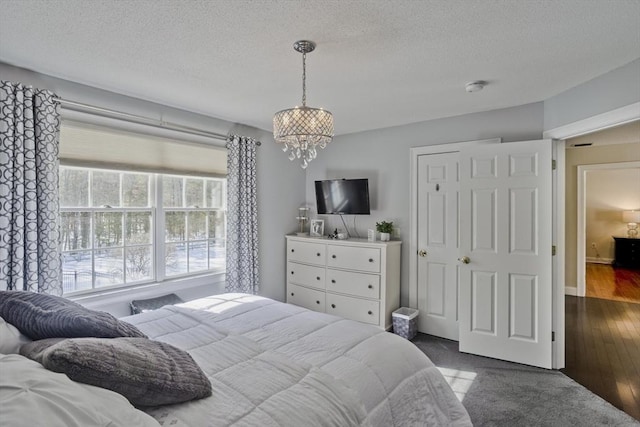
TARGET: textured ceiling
(378,63)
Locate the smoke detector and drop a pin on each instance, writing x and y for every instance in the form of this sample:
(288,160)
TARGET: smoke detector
(475,86)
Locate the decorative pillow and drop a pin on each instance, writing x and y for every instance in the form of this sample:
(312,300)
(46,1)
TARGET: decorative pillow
(41,316)
(142,305)
(10,338)
(31,395)
(148,373)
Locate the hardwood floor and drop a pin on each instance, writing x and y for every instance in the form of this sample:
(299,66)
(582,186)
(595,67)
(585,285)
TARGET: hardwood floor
(619,284)
(603,349)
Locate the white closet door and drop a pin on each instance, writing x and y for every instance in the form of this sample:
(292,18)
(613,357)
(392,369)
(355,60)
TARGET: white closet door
(505,236)
(438,187)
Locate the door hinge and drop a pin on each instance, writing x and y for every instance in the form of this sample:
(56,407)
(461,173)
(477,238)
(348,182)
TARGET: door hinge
(553,250)
(553,164)
(553,336)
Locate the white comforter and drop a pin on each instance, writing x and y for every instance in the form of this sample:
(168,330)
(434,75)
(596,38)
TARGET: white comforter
(275,364)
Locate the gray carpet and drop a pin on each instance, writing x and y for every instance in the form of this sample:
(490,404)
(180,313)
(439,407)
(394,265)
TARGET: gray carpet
(498,393)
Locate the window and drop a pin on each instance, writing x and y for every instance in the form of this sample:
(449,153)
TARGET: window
(122,228)
(195,224)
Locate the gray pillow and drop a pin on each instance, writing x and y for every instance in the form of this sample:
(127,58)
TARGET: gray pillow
(148,373)
(142,305)
(41,316)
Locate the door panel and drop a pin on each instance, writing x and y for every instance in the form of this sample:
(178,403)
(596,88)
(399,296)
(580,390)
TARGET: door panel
(436,286)
(523,290)
(523,220)
(438,188)
(505,224)
(483,302)
(484,217)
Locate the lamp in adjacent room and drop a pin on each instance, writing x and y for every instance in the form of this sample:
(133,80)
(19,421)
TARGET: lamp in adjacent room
(303,129)
(632,218)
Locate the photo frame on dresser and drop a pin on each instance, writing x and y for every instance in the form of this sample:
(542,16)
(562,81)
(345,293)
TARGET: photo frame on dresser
(317,228)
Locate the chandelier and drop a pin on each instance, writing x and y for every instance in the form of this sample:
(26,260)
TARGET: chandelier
(303,129)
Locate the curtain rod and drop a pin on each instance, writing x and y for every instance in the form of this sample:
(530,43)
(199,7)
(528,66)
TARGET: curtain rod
(133,118)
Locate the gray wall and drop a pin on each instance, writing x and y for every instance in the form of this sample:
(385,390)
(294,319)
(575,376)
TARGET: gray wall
(89,95)
(615,89)
(280,183)
(280,193)
(383,156)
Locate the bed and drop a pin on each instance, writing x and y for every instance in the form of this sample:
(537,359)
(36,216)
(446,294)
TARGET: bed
(276,364)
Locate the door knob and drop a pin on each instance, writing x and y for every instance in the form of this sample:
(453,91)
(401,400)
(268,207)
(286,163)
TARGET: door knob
(464,260)
(422,253)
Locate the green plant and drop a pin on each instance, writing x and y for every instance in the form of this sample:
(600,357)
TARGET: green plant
(384,226)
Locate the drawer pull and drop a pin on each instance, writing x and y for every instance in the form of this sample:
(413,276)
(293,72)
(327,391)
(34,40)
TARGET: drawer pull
(292,272)
(292,294)
(317,277)
(370,286)
(317,302)
(333,256)
(333,281)
(370,259)
(369,312)
(333,306)
(293,250)
(318,254)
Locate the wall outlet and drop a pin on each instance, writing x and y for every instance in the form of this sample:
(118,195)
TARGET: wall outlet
(396,232)
(593,245)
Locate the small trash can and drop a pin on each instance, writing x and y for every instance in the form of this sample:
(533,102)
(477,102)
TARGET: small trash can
(405,322)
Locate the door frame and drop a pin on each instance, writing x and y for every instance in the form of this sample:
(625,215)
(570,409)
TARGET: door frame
(581,253)
(415,152)
(616,117)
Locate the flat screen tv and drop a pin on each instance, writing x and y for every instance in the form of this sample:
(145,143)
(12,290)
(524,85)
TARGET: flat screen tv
(343,197)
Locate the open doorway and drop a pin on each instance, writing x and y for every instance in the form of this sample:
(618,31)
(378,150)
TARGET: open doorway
(602,336)
(602,181)
(612,261)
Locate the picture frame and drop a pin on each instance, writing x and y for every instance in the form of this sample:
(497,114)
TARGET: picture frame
(317,228)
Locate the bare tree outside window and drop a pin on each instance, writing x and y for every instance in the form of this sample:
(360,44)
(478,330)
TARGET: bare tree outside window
(108,226)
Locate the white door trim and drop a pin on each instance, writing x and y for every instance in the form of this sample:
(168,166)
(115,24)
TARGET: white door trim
(619,116)
(582,209)
(558,263)
(415,152)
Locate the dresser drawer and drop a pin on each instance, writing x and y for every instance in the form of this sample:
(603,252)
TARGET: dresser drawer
(305,297)
(306,275)
(358,284)
(306,252)
(354,258)
(353,308)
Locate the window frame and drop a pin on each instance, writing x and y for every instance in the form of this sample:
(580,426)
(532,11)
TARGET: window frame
(158,245)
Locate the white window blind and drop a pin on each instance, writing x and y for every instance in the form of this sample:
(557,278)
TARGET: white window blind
(91,144)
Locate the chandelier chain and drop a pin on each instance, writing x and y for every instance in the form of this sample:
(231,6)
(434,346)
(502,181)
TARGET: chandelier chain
(304,79)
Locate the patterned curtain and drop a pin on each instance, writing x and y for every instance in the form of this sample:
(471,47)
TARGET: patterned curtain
(29,133)
(242,216)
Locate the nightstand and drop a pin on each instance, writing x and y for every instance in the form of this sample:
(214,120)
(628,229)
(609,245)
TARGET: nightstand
(627,252)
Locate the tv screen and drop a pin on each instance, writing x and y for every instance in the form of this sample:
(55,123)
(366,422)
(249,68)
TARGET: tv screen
(343,197)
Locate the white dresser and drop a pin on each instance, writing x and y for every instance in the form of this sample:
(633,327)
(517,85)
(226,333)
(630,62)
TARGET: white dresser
(353,278)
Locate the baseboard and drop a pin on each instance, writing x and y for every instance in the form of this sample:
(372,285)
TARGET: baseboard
(594,260)
(571,290)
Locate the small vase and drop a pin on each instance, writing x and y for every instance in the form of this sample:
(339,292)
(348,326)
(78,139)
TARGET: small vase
(385,237)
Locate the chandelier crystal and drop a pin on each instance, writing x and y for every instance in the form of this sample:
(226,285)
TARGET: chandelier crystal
(302,130)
